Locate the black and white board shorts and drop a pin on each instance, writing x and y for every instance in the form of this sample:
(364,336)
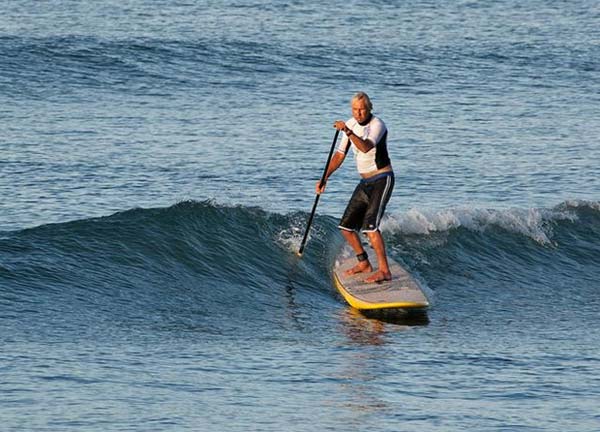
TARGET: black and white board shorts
(367,204)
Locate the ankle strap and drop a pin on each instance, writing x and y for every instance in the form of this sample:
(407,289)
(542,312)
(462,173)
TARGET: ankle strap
(362,257)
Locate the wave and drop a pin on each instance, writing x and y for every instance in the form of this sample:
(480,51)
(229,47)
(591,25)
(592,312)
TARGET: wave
(572,227)
(490,264)
(199,261)
(132,65)
(163,66)
(192,261)
(535,223)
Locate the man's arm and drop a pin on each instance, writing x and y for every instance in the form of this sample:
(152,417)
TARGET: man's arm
(364,145)
(335,163)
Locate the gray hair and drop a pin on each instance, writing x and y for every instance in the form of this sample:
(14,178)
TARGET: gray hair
(364,97)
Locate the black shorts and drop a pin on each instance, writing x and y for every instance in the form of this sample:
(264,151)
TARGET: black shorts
(367,204)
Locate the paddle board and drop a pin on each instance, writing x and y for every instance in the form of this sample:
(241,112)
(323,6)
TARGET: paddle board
(402,292)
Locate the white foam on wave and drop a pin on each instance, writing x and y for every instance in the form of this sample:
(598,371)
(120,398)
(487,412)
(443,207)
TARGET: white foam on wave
(290,238)
(532,222)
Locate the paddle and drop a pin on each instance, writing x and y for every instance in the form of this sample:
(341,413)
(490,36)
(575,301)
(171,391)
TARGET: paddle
(314,208)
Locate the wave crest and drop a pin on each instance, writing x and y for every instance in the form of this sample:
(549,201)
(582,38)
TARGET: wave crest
(534,223)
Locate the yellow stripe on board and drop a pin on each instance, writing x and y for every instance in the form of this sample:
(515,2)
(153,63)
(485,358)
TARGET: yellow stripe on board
(363,305)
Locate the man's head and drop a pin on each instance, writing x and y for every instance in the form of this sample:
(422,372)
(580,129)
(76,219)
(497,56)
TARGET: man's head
(361,107)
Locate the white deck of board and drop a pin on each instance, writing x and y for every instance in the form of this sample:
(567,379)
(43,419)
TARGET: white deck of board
(403,288)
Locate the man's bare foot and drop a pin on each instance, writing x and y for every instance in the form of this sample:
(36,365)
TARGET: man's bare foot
(379,276)
(361,267)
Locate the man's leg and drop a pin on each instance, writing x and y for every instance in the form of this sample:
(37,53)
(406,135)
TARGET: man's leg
(383,271)
(381,191)
(354,241)
(352,220)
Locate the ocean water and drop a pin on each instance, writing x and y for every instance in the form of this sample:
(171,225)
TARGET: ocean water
(157,169)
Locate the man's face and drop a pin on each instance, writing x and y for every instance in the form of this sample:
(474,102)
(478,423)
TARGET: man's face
(360,112)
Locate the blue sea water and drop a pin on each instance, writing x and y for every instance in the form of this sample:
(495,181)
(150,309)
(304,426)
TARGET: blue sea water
(157,169)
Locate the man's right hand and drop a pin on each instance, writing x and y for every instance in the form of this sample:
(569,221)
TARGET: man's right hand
(319,189)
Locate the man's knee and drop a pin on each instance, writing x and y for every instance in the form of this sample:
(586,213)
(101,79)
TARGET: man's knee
(374,235)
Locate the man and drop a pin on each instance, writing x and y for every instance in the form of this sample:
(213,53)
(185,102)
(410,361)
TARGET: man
(367,136)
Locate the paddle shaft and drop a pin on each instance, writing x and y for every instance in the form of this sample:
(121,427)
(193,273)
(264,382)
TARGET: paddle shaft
(314,208)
